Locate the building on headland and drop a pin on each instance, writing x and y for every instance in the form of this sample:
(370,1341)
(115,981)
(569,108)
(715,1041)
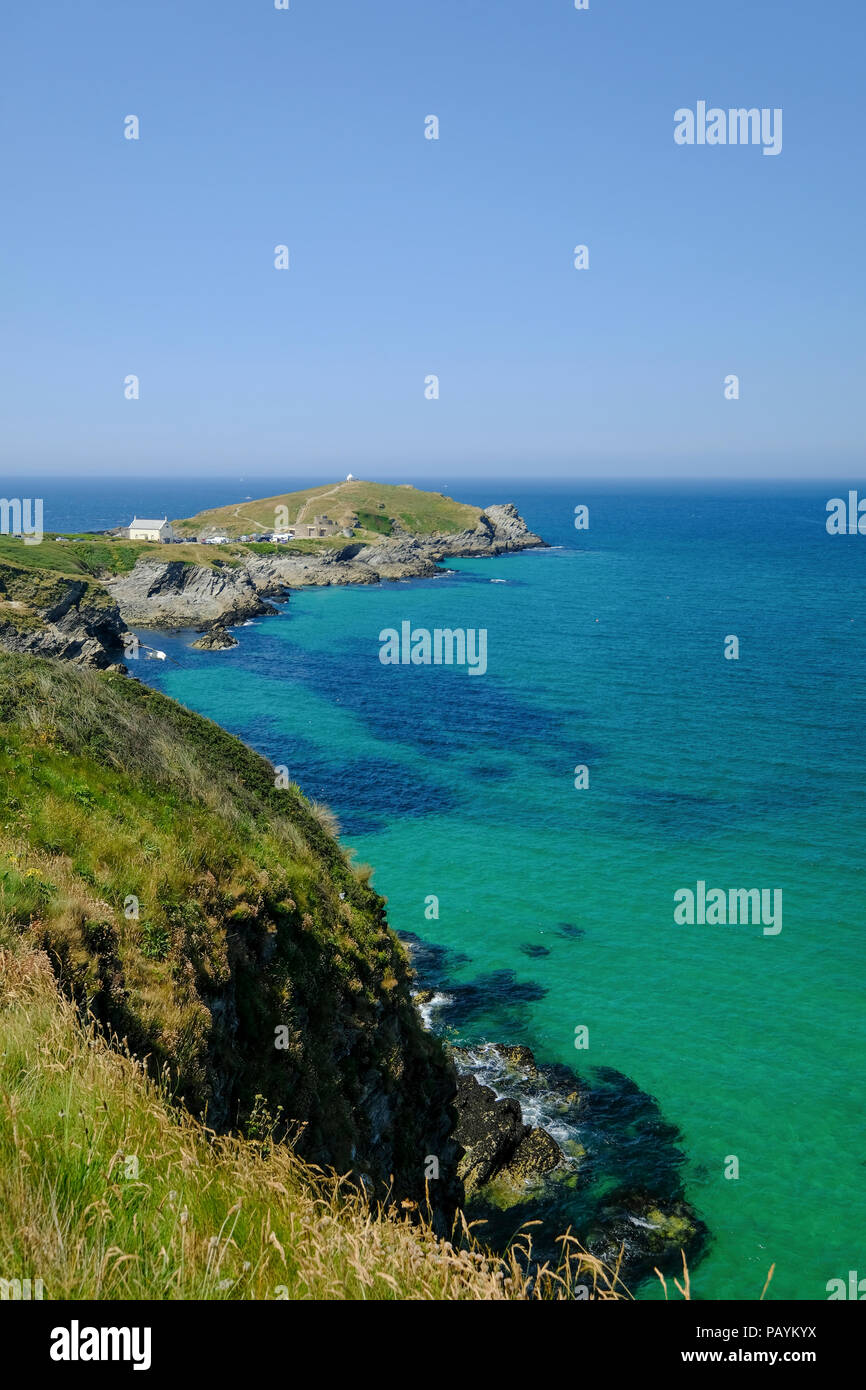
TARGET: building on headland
(147,529)
(319,527)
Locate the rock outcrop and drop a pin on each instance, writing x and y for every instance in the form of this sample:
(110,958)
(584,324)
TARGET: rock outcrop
(506,1161)
(44,614)
(496,1143)
(500,528)
(216,639)
(176,594)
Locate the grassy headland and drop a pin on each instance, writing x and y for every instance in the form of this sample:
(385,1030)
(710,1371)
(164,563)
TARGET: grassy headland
(367,508)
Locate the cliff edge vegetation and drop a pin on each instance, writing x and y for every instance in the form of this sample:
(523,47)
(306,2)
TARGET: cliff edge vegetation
(205,1020)
(214,924)
(107,1191)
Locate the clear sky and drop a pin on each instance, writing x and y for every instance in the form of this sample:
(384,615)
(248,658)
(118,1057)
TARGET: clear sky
(412,257)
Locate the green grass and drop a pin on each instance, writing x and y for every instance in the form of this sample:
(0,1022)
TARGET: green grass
(109,1192)
(422,513)
(195,908)
(36,588)
(375,521)
(85,557)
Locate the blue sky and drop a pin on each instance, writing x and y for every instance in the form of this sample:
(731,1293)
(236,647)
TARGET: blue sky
(411,257)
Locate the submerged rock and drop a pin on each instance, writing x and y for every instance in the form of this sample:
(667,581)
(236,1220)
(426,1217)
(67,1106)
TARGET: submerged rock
(648,1228)
(565,1165)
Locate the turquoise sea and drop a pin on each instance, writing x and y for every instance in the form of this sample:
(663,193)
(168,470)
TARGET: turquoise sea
(556,904)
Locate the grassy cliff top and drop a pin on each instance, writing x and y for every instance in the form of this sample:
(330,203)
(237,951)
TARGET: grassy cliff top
(370,508)
(101,558)
(373,504)
(197,907)
(97,557)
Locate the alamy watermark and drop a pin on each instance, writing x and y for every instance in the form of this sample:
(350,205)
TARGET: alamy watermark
(22,516)
(77,1343)
(21,1290)
(846,518)
(855,1288)
(441,647)
(736,907)
(736,126)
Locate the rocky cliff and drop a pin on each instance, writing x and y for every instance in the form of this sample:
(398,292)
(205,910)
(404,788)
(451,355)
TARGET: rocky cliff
(45,614)
(169,593)
(173,593)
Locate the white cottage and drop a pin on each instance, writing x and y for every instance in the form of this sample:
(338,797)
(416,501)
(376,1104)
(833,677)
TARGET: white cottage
(146,529)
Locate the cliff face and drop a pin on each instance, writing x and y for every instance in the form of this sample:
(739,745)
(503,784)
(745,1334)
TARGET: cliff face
(214,922)
(172,593)
(403,556)
(169,593)
(54,615)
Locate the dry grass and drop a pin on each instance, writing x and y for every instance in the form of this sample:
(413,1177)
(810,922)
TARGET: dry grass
(108,1192)
(685,1288)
